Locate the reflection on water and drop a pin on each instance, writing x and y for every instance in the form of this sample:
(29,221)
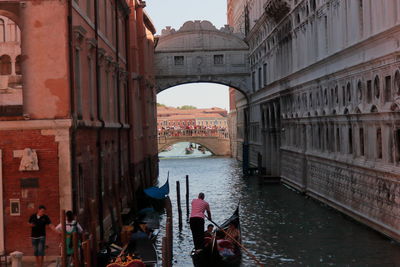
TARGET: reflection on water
(280,226)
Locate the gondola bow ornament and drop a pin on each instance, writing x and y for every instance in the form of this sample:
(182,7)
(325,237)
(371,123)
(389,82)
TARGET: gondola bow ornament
(158,192)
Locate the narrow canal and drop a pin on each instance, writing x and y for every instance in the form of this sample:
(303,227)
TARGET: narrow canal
(280,226)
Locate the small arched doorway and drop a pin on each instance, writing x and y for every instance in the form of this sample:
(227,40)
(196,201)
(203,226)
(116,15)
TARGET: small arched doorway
(5,65)
(18,65)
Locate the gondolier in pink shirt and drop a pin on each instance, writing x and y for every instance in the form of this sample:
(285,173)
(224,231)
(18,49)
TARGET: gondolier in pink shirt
(199,206)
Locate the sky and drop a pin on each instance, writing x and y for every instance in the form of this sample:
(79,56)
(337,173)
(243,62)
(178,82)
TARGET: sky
(174,13)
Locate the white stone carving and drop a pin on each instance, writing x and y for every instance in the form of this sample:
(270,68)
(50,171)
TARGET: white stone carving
(29,161)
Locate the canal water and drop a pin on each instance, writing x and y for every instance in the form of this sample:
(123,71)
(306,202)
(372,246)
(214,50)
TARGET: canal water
(279,225)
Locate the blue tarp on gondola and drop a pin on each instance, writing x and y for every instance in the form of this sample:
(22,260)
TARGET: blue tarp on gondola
(158,192)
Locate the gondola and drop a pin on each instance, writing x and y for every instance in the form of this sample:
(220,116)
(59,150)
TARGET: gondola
(210,256)
(156,195)
(141,253)
(189,150)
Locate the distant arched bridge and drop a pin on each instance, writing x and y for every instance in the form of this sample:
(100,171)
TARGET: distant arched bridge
(215,140)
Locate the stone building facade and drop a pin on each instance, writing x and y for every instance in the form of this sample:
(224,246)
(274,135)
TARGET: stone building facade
(10,67)
(324,106)
(85,138)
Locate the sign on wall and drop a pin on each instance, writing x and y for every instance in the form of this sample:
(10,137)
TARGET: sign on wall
(15,207)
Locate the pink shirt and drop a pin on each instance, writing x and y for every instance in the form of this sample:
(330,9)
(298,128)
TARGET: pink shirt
(199,206)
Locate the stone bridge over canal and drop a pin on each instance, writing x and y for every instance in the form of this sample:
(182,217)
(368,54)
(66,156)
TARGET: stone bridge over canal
(199,52)
(216,141)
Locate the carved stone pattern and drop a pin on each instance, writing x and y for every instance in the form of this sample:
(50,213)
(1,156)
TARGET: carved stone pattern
(292,166)
(370,193)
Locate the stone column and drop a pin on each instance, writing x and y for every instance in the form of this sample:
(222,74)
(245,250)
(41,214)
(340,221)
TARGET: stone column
(45,81)
(275,144)
(267,137)
(264,135)
(16,259)
(13,66)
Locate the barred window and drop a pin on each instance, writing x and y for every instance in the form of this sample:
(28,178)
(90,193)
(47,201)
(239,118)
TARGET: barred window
(218,59)
(178,60)
(361,142)
(379,143)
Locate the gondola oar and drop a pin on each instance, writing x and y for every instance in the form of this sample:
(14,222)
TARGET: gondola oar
(237,243)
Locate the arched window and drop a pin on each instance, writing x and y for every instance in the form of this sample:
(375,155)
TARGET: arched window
(337,139)
(379,143)
(2,31)
(336,94)
(376,87)
(361,136)
(313,5)
(89,8)
(388,88)
(350,132)
(298,102)
(343,95)
(397,82)
(359,90)
(18,65)
(105,17)
(5,65)
(348,92)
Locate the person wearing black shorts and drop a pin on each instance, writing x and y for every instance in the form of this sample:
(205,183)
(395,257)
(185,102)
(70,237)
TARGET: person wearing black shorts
(38,222)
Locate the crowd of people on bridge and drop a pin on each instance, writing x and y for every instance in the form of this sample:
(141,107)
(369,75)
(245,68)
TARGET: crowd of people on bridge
(193,131)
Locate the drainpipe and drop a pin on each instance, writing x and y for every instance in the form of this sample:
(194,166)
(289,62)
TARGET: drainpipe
(142,82)
(128,89)
(99,129)
(72,105)
(118,96)
(118,85)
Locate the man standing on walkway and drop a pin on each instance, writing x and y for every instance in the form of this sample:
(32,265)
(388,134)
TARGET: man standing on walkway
(199,206)
(38,222)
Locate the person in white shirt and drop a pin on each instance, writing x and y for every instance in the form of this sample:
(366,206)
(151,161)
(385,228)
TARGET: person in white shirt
(71,226)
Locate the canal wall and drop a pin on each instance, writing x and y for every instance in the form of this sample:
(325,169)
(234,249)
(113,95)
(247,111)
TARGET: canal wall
(367,195)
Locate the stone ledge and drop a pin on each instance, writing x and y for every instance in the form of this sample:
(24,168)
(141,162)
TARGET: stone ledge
(35,124)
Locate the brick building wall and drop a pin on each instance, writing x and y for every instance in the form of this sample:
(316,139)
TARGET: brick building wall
(79,110)
(30,196)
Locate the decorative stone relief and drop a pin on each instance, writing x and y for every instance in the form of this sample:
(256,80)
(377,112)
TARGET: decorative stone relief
(29,159)
(292,167)
(370,193)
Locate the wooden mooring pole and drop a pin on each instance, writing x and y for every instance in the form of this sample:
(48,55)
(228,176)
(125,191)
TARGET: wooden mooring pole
(187,197)
(75,245)
(63,240)
(178,199)
(168,249)
(164,252)
(87,257)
